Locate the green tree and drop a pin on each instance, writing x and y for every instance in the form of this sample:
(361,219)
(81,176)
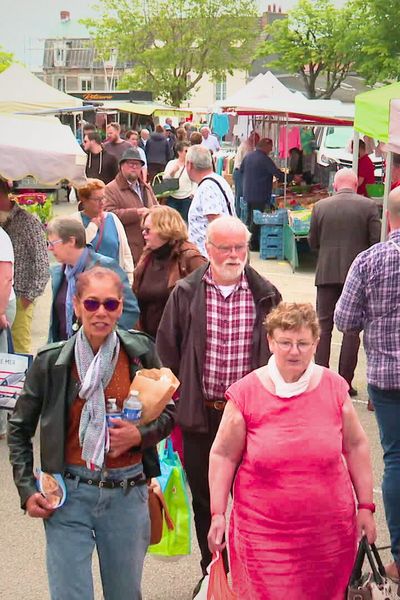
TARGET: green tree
(380,59)
(171,44)
(316,40)
(6,59)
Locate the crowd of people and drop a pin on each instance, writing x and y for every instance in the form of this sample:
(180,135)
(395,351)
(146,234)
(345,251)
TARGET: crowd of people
(138,284)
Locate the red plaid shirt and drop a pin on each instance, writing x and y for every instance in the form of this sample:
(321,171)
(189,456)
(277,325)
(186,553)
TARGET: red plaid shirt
(229,331)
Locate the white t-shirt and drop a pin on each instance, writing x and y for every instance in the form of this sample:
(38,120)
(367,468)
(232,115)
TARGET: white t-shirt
(211,143)
(6,253)
(208,200)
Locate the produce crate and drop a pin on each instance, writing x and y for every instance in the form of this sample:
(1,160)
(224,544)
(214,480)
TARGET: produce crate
(279,217)
(271,241)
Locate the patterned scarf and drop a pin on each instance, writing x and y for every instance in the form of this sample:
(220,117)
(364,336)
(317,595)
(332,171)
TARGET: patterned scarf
(70,273)
(95,373)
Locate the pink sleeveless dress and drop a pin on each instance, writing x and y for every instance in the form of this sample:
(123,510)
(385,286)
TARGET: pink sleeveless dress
(292,533)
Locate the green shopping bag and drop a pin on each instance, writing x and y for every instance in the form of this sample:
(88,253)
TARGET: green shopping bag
(175,542)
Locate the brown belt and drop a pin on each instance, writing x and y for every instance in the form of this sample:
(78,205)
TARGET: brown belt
(216,404)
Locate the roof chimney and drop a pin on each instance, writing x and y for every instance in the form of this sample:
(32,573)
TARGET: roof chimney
(65,16)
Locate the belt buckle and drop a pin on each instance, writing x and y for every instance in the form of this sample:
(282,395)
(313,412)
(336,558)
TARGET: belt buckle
(219,404)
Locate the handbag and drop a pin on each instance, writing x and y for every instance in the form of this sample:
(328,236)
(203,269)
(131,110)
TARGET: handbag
(374,585)
(13,368)
(163,187)
(176,541)
(158,512)
(215,584)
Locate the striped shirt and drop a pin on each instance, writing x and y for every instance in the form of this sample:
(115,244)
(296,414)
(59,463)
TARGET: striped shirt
(229,328)
(370,301)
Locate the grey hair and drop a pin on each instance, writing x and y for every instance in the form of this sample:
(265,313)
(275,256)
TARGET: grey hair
(66,228)
(227,224)
(200,157)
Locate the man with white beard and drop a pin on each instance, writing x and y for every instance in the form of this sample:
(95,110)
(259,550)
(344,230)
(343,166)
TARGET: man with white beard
(211,335)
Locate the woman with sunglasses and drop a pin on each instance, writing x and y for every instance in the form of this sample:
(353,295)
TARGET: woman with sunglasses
(181,198)
(104,467)
(291,443)
(104,231)
(67,242)
(167,257)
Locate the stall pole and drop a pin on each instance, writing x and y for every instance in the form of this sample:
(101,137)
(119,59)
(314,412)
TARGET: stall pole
(286,158)
(388,180)
(356,143)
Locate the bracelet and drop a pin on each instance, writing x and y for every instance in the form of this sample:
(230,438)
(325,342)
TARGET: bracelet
(367,506)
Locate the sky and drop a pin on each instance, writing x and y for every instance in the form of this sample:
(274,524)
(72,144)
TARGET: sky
(26,23)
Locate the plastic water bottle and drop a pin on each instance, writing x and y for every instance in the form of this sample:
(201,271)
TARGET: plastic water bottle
(112,411)
(132,410)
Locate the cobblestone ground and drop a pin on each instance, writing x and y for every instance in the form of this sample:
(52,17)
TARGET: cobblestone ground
(22,551)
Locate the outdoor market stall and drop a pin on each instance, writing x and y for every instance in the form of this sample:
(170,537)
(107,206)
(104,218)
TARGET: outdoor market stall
(377,115)
(268,99)
(40,148)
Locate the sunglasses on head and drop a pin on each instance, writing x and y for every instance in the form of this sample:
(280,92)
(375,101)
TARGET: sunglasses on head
(111,304)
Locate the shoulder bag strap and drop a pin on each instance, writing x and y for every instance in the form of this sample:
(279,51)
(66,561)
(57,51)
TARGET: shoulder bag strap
(228,204)
(101,232)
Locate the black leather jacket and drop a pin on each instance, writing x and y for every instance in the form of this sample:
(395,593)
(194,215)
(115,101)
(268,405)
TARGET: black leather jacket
(48,392)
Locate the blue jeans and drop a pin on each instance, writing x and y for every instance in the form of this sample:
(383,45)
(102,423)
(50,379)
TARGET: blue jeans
(182,206)
(116,521)
(387,411)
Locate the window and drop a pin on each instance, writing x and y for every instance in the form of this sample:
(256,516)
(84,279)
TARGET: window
(59,54)
(220,89)
(60,83)
(86,85)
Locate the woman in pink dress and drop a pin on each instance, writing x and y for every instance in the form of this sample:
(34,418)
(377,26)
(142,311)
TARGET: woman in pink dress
(303,459)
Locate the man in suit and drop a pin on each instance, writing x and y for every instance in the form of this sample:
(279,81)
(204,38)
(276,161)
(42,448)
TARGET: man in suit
(341,227)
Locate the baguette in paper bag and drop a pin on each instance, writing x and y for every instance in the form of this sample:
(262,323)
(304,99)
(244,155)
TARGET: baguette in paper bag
(156,388)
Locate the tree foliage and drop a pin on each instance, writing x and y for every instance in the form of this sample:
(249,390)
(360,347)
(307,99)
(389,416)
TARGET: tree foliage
(318,41)
(380,59)
(6,59)
(171,44)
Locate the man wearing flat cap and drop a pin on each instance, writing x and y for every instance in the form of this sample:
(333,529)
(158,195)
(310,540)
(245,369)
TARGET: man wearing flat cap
(128,197)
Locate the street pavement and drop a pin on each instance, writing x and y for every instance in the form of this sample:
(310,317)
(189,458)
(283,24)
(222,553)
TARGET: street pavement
(22,546)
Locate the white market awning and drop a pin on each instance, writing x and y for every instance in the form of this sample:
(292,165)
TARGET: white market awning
(40,147)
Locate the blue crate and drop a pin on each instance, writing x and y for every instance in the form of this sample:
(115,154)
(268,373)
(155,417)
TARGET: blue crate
(243,210)
(271,242)
(279,217)
(301,227)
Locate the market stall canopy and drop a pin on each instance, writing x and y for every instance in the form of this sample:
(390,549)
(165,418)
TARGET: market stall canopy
(146,108)
(266,95)
(41,147)
(394,127)
(21,91)
(373,111)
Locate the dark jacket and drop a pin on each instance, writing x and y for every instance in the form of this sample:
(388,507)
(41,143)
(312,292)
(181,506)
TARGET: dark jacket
(179,260)
(158,149)
(102,166)
(49,391)
(121,200)
(341,227)
(130,314)
(181,339)
(258,171)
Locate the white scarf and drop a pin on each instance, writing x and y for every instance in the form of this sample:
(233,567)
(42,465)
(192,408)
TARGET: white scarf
(287,390)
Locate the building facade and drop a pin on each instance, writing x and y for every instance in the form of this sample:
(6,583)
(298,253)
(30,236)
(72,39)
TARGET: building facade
(71,62)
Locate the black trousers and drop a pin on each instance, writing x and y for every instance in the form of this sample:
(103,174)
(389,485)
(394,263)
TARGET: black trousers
(196,452)
(327,296)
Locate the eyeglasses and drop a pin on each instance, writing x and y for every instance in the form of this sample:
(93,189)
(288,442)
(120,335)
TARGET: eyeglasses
(228,249)
(286,346)
(52,243)
(111,304)
(133,163)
